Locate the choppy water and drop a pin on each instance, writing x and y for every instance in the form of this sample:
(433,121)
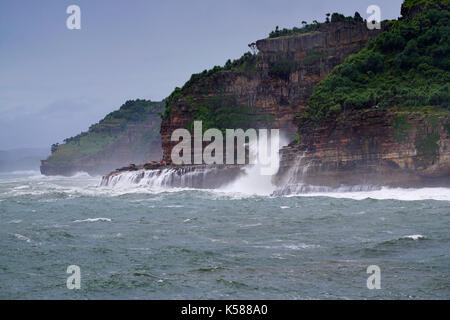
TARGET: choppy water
(190,244)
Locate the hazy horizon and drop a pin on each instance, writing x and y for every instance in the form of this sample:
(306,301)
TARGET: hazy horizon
(55,82)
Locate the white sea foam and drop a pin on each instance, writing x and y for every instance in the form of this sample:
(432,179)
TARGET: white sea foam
(22,237)
(385,193)
(21,187)
(94,220)
(23,172)
(415,237)
(82,184)
(299,246)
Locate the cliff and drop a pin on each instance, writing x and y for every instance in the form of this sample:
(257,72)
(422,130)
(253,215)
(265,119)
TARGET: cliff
(369,147)
(381,117)
(366,107)
(128,135)
(267,89)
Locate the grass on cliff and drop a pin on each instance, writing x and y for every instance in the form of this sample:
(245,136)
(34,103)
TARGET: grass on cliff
(204,81)
(406,66)
(107,131)
(223,112)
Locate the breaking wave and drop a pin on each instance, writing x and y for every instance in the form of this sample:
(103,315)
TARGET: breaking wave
(247,183)
(94,220)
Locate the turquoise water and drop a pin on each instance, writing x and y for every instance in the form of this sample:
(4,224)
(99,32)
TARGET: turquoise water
(135,243)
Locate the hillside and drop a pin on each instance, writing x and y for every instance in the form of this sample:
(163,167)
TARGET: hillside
(128,135)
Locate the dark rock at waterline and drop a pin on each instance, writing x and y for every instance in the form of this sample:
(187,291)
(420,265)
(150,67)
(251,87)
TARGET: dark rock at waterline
(162,175)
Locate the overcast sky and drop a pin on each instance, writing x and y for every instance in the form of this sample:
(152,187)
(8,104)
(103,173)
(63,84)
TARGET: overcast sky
(55,82)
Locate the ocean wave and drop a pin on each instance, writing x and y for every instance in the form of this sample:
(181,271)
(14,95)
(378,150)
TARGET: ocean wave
(399,241)
(386,193)
(94,220)
(21,172)
(415,237)
(22,187)
(289,246)
(82,184)
(22,237)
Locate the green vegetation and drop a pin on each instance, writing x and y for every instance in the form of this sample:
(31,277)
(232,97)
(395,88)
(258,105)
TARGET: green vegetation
(283,68)
(401,127)
(407,66)
(245,64)
(297,139)
(294,31)
(447,127)
(223,112)
(427,145)
(411,4)
(315,26)
(107,131)
(313,58)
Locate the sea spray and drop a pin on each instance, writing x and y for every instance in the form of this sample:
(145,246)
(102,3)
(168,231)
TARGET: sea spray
(254,181)
(199,177)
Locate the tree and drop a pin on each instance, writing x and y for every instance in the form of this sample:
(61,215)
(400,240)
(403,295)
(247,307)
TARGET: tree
(304,23)
(328,18)
(337,17)
(358,17)
(253,48)
(54,147)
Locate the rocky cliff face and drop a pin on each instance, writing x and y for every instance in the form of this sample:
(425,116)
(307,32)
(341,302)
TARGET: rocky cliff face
(277,86)
(368,147)
(134,146)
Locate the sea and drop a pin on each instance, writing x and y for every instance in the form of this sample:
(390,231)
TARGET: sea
(140,242)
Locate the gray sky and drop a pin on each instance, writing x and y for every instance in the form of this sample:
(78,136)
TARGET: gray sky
(55,82)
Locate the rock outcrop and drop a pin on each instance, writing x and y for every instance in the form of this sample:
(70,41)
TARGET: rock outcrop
(368,147)
(163,176)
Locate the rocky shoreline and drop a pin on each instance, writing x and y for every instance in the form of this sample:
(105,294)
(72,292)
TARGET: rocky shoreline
(370,147)
(159,174)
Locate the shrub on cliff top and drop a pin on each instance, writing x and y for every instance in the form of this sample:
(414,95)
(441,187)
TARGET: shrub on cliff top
(315,26)
(408,5)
